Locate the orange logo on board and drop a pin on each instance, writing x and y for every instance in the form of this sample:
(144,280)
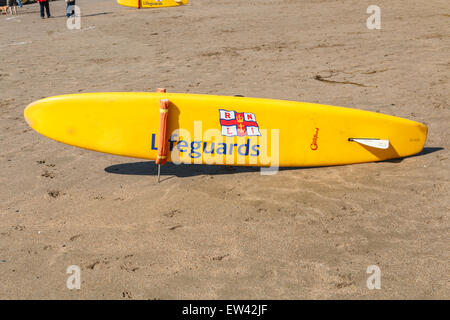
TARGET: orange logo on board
(314,146)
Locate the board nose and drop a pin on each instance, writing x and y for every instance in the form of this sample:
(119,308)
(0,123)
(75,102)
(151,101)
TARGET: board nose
(36,112)
(29,114)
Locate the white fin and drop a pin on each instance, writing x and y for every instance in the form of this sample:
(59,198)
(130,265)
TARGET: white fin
(375,143)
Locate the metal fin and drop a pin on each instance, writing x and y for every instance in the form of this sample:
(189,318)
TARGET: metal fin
(374,143)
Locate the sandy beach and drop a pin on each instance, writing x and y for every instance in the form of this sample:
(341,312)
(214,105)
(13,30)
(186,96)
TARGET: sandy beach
(216,232)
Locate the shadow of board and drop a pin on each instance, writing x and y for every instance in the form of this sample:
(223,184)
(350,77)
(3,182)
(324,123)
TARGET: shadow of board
(149,168)
(425,151)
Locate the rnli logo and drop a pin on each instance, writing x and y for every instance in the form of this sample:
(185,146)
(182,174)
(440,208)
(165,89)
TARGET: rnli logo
(239,124)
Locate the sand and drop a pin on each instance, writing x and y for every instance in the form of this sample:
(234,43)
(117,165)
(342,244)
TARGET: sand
(211,232)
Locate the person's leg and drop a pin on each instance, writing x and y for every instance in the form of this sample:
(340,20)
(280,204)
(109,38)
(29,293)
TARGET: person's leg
(47,8)
(67,9)
(41,4)
(70,8)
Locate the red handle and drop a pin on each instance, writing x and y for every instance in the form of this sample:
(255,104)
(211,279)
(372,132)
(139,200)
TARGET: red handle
(163,121)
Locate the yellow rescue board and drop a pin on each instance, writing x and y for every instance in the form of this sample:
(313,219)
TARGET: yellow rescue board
(151,3)
(225,130)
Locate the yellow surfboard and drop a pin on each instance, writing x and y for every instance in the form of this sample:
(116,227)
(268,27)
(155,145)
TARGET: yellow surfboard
(225,130)
(152,3)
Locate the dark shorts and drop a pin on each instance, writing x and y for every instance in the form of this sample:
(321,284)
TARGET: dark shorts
(11,3)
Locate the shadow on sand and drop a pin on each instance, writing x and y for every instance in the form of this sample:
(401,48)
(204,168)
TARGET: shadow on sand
(421,153)
(83,15)
(149,168)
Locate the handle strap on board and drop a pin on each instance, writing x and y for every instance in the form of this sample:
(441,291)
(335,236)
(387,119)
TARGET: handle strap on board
(161,158)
